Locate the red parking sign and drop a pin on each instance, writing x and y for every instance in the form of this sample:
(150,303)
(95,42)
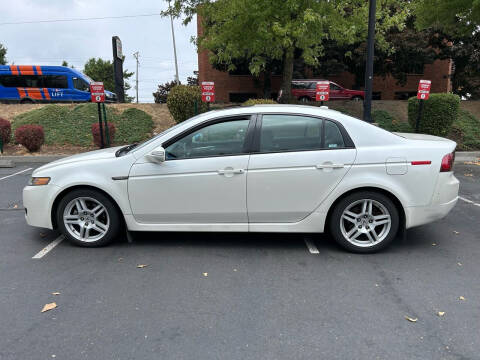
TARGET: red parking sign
(424,89)
(322,92)
(208,91)
(97,92)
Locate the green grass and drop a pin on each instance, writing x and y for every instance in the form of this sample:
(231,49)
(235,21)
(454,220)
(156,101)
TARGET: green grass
(466,131)
(63,125)
(387,122)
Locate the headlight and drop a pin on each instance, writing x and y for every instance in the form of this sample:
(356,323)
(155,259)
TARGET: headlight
(37,181)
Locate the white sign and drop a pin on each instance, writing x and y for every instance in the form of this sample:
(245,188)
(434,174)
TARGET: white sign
(119,48)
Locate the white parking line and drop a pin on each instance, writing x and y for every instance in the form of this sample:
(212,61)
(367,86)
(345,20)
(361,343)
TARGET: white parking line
(468,201)
(311,246)
(6,177)
(48,248)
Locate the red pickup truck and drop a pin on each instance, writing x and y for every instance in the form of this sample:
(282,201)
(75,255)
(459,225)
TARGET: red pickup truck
(304,90)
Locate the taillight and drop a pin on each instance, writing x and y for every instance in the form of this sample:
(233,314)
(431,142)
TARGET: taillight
(447,162)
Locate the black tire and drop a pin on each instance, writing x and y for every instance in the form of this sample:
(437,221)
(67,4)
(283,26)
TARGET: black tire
(110,215)
(363,223)
(27,101)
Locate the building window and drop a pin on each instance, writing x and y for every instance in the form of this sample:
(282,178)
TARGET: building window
(241,97)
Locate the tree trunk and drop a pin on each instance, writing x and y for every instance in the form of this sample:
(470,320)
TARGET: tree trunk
(267,84)
(287,75)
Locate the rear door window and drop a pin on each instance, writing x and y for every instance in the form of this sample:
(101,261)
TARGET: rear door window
(290,133)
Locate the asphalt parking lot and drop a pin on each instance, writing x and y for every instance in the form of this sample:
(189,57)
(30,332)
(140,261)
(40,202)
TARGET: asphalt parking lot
(240,296)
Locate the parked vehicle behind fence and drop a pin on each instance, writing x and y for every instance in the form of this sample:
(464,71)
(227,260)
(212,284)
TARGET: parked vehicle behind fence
(33,83)
(304,90)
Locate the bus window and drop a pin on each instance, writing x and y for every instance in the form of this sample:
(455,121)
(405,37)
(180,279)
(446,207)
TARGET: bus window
(55,81)
(80,84)
(13,81)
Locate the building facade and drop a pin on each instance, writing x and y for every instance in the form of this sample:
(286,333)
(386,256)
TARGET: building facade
(237,88)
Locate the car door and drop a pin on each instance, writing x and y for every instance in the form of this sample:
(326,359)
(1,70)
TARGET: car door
(297,161)
(202,180)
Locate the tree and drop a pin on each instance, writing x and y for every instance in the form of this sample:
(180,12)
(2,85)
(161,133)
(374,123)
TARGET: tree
(65,63)
(3,55)
(413,49)
(460,17)
(102,70)
(193,80)
(262,31)
(162,92)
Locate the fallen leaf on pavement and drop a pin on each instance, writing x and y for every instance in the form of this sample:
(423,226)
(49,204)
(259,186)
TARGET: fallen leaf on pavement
(141,266)
(472,162)
(42,235)
(461,298)
(441,313)
(120,259)
(411,319)
(234,269)
(56,293)
(468,174)
(459,264)
(48,307)
(434,244)
(205,274)
(456,232)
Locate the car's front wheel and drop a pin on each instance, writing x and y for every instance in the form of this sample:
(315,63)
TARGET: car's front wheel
(364,222)
(88,218)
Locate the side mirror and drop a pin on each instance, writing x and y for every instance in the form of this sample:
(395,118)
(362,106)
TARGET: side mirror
(157,155)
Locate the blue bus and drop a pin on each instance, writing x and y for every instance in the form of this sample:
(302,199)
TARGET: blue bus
(31,83)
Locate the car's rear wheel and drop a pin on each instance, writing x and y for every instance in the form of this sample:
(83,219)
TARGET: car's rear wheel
(88,218)
(364,222)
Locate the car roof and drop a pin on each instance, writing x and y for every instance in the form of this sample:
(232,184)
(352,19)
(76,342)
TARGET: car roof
(361,132)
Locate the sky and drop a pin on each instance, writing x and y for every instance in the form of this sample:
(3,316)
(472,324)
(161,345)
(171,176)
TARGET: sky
(77,41)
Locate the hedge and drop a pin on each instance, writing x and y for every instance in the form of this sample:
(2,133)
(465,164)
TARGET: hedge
(181,102)
(439,113)
(251,102)
(30,136)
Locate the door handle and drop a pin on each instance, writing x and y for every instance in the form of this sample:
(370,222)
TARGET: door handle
(330,166)
(230,171)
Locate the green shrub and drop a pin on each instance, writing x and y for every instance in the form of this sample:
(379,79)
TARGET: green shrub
(64,125)
(439,113)
(181,102)
(387,122)
(251,102)
(466,131)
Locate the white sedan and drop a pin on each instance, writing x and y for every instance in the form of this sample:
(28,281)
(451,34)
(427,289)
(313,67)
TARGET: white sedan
(266,168)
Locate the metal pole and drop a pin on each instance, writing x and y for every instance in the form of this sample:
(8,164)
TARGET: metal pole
(367,104)
(107,131)
(419,116)
(102,144)
(136,73)
(174,49)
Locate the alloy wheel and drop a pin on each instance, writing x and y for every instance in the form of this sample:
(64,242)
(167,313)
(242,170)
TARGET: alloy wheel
(86,219)
(365,223)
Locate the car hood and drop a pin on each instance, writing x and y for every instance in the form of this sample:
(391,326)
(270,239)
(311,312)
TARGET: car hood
(88,156)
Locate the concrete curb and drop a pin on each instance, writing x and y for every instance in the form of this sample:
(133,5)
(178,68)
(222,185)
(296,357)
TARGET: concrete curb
(467,156)
(32,159)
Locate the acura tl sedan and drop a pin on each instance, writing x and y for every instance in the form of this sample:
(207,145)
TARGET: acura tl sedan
(264,168)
